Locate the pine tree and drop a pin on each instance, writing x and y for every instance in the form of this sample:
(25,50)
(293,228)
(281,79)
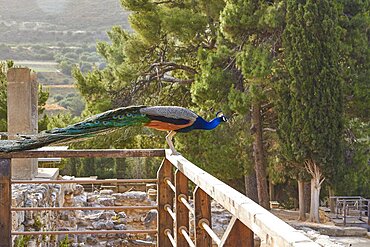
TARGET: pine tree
(312,120)
(254,27)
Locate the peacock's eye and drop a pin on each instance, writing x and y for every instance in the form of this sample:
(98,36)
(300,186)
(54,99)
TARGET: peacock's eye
(129,115)
(120,117)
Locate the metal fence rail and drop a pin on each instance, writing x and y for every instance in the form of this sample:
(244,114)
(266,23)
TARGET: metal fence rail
(352,207)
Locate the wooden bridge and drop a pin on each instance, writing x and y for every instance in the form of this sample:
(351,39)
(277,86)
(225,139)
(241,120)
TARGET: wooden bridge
(173,205)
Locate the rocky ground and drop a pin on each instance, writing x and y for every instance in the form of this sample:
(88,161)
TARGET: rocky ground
(326,234)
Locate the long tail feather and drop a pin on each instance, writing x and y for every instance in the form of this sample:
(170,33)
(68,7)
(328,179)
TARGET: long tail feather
(120,117)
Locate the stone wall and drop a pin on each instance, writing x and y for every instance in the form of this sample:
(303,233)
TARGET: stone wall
(30,195)
(106,220)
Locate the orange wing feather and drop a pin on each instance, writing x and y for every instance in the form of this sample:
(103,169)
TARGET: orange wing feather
(158,125)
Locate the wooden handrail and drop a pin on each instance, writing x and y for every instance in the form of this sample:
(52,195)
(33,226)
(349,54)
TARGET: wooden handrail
(88,153)
(255,217)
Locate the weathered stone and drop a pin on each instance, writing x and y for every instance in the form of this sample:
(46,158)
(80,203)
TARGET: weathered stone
(137,196)
(114,243)
(120,221)
(120,227)
(79,189)
(109,225)
(92,240)
(22,97)
(80,200)
(64,215)
(29,222)
(98,225)
(106,201)
(150,218)
(106,192)
(82,238)
(152,194)
(355,231)
(121,215)
(82,223)
(107,215)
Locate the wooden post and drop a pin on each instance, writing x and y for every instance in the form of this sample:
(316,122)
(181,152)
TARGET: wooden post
(202,208)
(182,213)
(5,203)
(237,234)
(164,197)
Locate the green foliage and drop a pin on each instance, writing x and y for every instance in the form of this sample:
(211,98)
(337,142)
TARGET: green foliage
(22,241)
(65,242)
(353,178)
(3,105)
(355,20)
(311,121)
(38,225)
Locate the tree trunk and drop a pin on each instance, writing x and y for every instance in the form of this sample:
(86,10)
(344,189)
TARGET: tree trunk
(251,186)
(331,200)
(307,196)
(302,211)
(316,182)
(271,191)
(258,153)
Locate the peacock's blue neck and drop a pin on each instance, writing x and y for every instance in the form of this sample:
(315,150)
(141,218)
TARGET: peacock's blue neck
(200,123)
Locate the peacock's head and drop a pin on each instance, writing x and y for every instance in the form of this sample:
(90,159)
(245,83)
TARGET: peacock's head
(222,117)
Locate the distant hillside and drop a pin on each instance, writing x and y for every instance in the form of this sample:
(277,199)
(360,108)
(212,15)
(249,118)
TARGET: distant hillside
(45,21)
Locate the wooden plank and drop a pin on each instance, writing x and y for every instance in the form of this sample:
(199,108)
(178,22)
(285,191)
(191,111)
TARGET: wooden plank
(237,234)
(202,209)
(164,197)
(182,213)
(89,153)
(256,218)
(5,203)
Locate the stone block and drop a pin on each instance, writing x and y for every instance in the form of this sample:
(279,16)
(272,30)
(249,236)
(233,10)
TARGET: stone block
(22,115)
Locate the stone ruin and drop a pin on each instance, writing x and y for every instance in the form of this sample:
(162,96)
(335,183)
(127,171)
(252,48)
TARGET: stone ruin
(74,195)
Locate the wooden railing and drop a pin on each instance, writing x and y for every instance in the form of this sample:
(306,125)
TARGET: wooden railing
(173,205)
(248,217)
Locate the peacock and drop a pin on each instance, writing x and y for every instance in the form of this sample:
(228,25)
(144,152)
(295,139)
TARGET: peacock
(173,119)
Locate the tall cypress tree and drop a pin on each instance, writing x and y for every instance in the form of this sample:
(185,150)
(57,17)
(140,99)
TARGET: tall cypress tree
(312,120)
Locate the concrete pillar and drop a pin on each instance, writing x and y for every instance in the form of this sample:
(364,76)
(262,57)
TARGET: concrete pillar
(22,115)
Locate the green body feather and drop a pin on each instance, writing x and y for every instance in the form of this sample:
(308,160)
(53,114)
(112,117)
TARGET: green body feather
(120,117)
